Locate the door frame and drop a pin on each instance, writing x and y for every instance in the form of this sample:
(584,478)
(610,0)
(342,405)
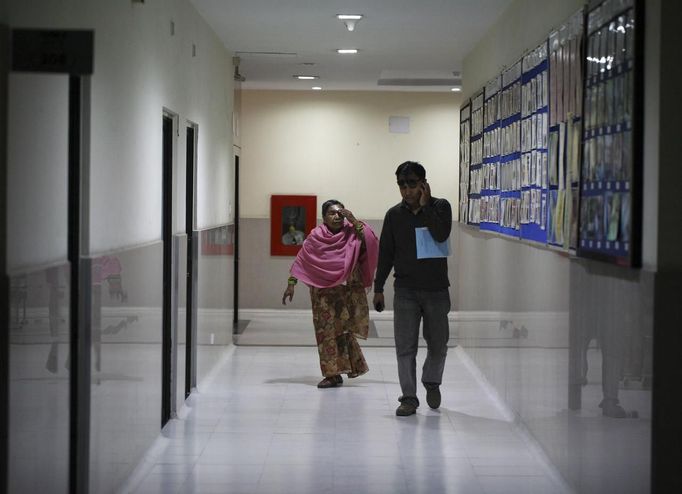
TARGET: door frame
(192,139)
(235,297)
(168,160)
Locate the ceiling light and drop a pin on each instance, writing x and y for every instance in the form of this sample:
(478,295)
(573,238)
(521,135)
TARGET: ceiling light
(316,88)
(350,20)
(347,51)
(456,89)
(266,54)
(306,77)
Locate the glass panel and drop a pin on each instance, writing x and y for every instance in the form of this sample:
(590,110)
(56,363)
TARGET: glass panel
(39,381)
(126,362)
(39,333)
(181,243)
(569,352)
(215,297)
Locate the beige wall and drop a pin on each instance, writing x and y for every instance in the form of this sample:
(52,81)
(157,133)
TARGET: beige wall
(332,144)
(337,144)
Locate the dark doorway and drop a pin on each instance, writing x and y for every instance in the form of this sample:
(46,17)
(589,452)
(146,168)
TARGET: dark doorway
(166,237)
(235,301)
(4,278)
(192,242)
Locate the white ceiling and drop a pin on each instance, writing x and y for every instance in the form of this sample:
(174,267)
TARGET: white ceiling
(397,39)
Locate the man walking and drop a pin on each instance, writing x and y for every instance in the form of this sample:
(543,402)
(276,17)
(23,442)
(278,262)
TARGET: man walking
(413,243)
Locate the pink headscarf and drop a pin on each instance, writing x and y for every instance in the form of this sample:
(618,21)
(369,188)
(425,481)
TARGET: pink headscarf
(327,259)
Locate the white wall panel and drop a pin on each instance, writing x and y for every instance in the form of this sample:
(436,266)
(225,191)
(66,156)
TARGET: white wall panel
(141,67)
(37,170)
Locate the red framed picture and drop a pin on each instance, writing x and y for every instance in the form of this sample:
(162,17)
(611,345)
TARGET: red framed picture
(291,220)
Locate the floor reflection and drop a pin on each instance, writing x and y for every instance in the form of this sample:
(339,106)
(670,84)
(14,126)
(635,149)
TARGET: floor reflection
(524,359)
(262,404)
(39,381)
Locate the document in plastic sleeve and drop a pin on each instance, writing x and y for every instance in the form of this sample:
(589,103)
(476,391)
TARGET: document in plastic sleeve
(427,247)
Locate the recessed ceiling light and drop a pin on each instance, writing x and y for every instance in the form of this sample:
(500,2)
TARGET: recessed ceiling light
(266,54)
(456,89)
(350,20)
(316,88)
(347,51)
(306,77)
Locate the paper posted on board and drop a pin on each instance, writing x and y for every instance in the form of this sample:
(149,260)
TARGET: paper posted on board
(427,247)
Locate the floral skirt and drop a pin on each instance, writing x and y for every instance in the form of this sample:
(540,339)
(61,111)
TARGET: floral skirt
(339,315)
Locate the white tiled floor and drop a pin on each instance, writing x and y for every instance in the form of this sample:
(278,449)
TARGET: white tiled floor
(259,425)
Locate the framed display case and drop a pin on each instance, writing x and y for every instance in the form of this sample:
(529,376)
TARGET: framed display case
(565,132)
(475,166)
(464,159)
(554,143)
(611,176)
(490,168)
(534,141)
(510,151)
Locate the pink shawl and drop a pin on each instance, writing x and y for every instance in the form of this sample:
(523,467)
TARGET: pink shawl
(327,259)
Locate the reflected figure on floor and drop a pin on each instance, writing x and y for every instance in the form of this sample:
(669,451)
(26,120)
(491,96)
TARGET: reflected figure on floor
(612,372)
(615,318)
(108,268)
(55,320)
(413,240)
(337,262)
(18,298)
(104,268)
(610,376)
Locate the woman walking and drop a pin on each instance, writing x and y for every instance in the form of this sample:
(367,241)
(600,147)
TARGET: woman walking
(337,261)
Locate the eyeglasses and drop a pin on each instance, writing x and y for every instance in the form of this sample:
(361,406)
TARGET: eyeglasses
(410,183)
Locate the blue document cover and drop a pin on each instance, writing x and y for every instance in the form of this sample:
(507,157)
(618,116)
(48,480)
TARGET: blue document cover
(427,247)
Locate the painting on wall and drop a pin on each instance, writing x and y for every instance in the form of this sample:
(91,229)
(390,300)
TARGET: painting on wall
(292,217)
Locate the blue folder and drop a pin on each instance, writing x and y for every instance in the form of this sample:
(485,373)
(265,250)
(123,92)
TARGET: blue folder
(427,247)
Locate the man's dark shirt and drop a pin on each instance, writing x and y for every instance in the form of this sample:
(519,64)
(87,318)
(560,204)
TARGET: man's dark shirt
(398,247)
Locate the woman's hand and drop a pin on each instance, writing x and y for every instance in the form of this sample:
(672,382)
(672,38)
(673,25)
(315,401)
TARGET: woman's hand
(346,213)
(289,292)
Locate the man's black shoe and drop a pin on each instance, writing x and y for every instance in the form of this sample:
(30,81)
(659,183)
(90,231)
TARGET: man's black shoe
(406,408)
(433,397)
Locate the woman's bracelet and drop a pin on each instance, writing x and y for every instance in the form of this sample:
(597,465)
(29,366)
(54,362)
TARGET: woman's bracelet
(292,281)
(359,228)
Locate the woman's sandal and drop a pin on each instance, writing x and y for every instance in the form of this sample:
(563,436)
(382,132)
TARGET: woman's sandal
(330,382)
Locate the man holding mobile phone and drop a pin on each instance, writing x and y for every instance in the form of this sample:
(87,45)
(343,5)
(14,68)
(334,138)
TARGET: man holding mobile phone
(410,229)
